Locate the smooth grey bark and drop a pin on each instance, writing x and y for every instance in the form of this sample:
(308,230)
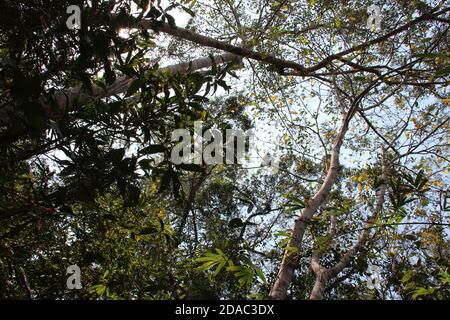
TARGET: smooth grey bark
(323,275)
(66,99)
(290,259)
(281,64)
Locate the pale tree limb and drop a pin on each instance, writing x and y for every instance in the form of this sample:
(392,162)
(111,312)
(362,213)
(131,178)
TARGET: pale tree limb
(289,262)
(122,84)
(290,259)
(25,282)
(68,98)
(323,275)
(280,63)
(315,260)
(213,43)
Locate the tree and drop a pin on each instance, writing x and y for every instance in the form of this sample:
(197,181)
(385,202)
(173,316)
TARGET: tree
(86,120)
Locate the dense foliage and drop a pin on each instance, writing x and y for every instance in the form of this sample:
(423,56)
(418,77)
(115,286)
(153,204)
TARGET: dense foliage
(85,171)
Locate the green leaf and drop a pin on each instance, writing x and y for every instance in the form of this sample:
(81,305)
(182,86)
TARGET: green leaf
(337,22)
(189,11)
(154,148)
(422,292)
(431,55)
(165,180)
(99,289)
(116,155)
(443,72)
(285,235)
(134,87)
(146,164)
(235,223)
(191,167)
(171,21)
(153,13)
(408,275)
(260,275)
(244,275)
(206,266)
(212,260)
(148,230)
(322,243)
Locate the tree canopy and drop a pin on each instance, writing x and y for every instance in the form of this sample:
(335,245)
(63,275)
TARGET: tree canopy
(355,113)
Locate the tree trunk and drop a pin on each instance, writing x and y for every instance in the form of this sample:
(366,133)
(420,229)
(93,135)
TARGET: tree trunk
(322,278)
(66,99)
(324,274)
(289,262)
